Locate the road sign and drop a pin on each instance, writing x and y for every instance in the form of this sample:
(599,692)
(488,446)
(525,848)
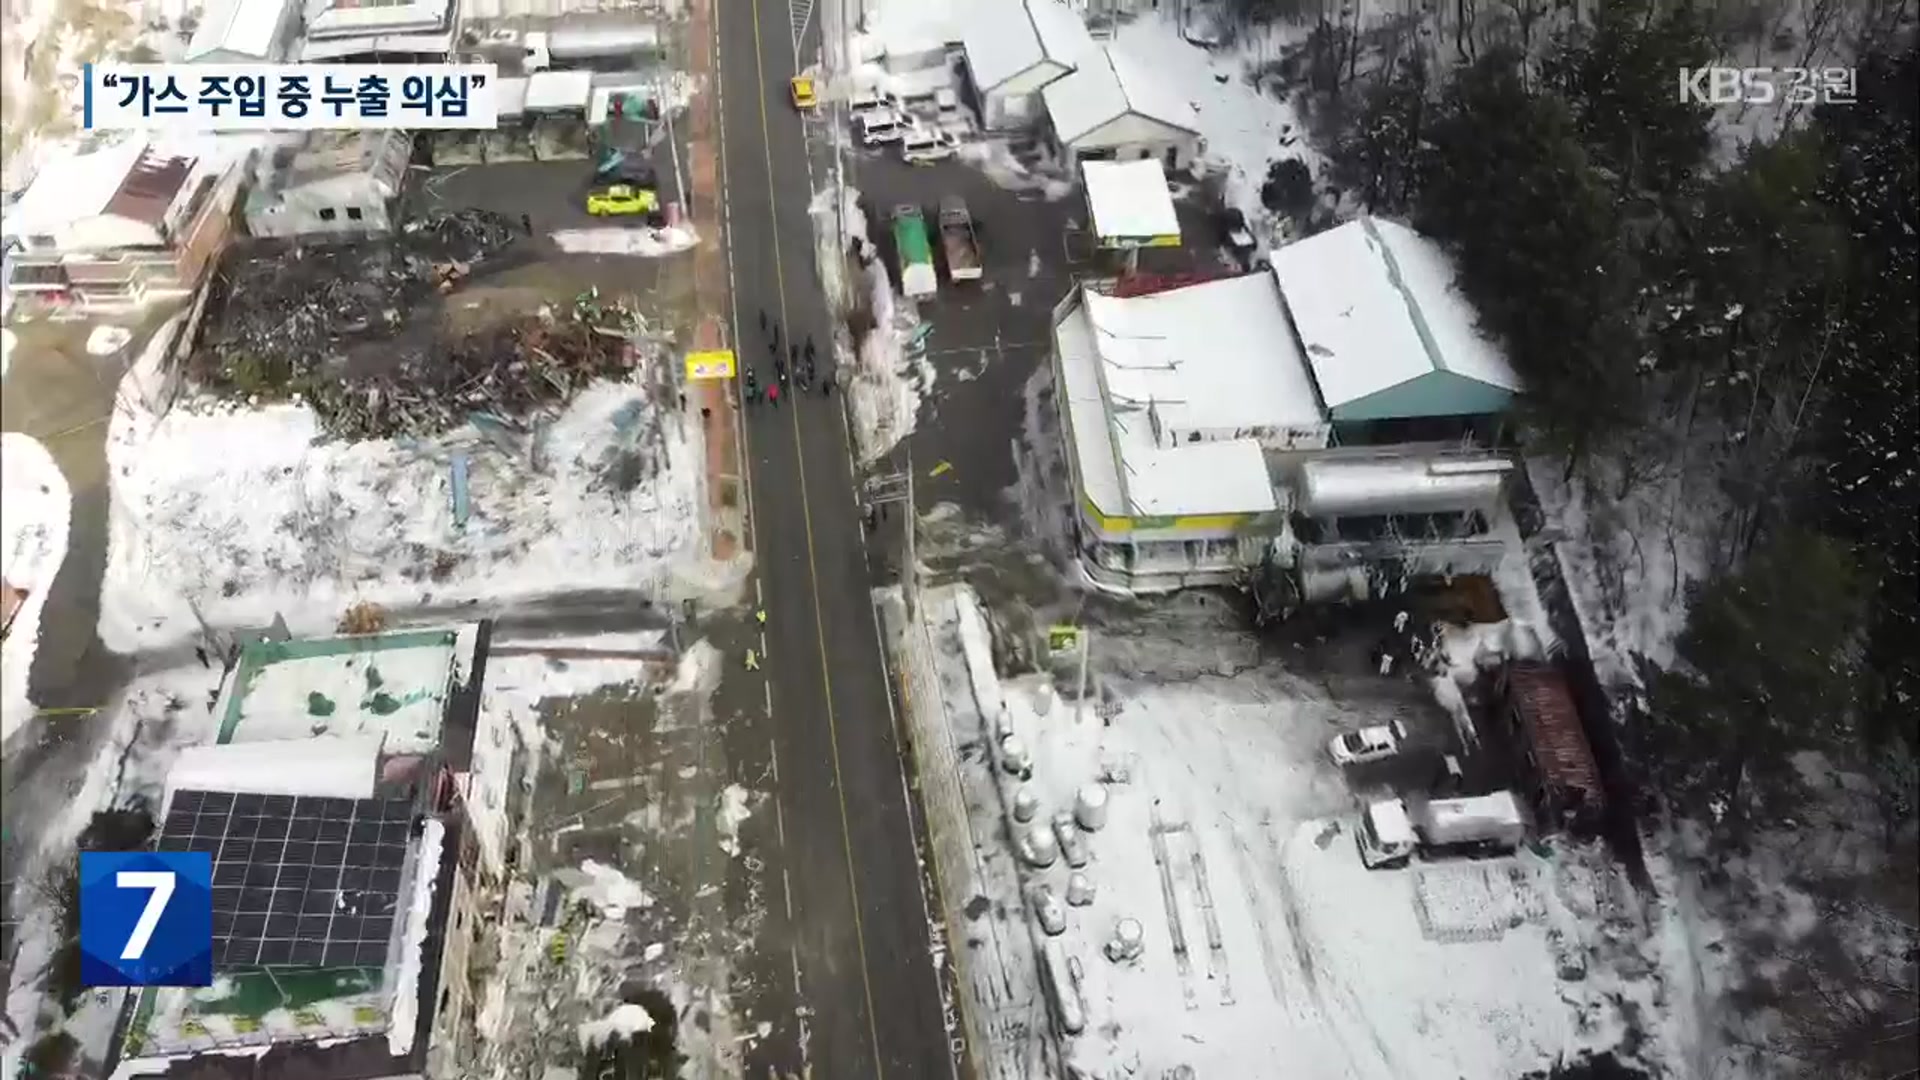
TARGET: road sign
(717,364)
(146,918)
(1063,638)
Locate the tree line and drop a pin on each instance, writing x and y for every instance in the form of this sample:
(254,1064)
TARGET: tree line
(1765,308)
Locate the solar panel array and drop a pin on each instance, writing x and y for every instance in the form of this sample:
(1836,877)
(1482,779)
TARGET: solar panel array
(297,881)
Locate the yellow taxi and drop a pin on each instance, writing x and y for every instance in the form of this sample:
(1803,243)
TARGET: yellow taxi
(621,199)
(805,97)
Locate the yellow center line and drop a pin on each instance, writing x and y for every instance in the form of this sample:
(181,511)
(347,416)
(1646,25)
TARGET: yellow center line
(813,575)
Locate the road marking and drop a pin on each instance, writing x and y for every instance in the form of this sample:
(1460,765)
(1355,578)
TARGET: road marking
(799,14)
(768,687)
(786,886)
(813,574)
(794,954)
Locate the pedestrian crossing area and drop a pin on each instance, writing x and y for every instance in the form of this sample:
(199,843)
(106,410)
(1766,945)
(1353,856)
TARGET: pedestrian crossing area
(800,13)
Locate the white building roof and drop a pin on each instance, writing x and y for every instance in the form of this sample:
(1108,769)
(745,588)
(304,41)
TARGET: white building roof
(1107,86)
(553,90)
(1376,307)
(243,27)
(73,187)
(334,18)
(1007,38)
(431,44)
(1129,199)
(392,686)
(1127,361)
(324,768)
(1169,349)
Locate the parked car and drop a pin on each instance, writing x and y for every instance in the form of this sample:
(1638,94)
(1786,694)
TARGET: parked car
(880,126)
(872,101)
(923,145)
(621,199)
(805,97)
(1374,743)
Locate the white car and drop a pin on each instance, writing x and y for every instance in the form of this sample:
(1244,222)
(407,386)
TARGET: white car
(880,126)
(922,144)
(1368,744)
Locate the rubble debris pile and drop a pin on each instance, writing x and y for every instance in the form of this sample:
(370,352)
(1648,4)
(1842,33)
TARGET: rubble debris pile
(510,370)
(278,314)
(354,330)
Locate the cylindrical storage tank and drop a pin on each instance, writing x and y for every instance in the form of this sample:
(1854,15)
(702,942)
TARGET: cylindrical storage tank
(1014,757)
(1043,700)
(1335,489)
(1079,890)
(1025,804)
(1128,941)
(1090,806)
(1038,846)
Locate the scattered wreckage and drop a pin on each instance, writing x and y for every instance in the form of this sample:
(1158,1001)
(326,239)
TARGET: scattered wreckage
(355,331)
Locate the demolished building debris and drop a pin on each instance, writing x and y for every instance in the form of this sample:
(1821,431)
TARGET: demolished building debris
(356,331)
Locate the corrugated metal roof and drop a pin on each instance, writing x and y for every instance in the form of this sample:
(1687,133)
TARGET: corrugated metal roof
(150,188)
(1106,87)
(1545,703)
(1007,38)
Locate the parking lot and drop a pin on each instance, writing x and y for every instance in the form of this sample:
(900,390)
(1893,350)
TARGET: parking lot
(990,336)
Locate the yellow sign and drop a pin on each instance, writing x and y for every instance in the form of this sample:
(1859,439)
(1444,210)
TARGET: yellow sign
(1128,243)
(1061,638)
(717,364)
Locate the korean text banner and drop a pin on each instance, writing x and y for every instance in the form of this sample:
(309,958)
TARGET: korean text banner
(289,97)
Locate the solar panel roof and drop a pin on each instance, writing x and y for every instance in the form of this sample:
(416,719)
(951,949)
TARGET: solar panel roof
(297,881)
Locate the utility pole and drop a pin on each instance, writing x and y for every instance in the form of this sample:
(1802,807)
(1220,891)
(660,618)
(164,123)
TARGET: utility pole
(1086,650)
(886,490)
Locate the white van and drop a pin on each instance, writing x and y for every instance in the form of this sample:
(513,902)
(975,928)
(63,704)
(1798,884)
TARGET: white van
(922,145)
(873,101)
(880,126)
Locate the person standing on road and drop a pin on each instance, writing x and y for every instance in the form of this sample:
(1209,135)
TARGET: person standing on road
(773,395)
(826,385)
(763,320)
(753,387)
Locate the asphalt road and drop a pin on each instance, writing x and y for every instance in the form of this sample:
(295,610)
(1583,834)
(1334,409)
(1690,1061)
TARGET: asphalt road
(859,914)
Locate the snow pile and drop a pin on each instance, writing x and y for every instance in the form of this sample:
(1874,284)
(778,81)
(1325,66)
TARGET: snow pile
(887,386)
(994,158)
(836,231)
(647,243)
(883,385)
(699,670)
(624,1022)
(402,1028)
(733,811)
(609,891)
(232,517)
(35,505)
(1227,839)
(107,340)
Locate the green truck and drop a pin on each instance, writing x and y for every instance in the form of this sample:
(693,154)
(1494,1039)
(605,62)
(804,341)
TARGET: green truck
(917,276)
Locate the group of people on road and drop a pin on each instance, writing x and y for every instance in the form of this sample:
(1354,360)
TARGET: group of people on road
(796,365)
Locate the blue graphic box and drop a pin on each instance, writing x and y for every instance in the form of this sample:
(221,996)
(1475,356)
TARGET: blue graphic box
(146,918)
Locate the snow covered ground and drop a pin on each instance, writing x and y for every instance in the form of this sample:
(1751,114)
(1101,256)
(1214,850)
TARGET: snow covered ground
(234,516)
(35,505)
(1246,128)
(1267,947)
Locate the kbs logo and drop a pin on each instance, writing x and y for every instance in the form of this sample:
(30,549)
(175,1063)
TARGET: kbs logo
(146,918)
(1766,86)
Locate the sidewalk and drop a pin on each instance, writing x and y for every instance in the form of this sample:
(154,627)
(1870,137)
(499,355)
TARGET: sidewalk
(727,518)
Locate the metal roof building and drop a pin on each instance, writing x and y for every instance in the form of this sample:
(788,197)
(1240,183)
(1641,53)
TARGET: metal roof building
(1386,331)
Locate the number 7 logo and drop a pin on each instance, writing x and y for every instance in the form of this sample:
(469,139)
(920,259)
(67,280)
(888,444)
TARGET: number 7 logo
(161,882)
(146,918)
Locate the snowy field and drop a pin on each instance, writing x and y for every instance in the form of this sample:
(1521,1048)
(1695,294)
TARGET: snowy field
(33,544)
(1266,945)
(234,516)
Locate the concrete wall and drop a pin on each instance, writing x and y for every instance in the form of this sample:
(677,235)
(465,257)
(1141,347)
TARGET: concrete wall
(1134,137)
